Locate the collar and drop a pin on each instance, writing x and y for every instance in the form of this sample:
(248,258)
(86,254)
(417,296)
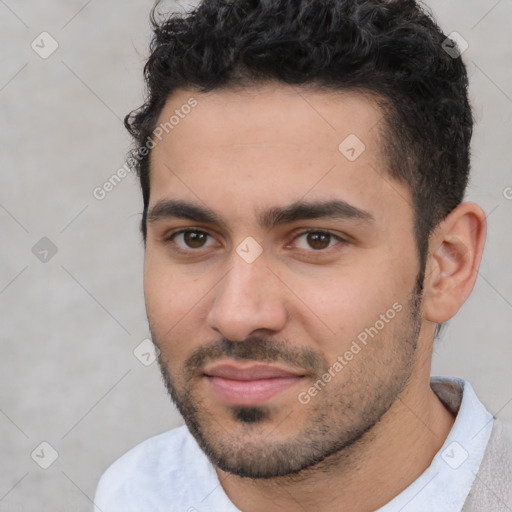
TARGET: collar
(445,484)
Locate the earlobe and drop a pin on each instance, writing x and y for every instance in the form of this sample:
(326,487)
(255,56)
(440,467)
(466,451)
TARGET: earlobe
(456,249)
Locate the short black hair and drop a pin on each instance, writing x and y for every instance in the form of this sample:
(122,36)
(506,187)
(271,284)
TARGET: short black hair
(390,49)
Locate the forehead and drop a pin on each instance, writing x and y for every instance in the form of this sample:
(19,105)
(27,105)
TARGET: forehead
(274,144)
(256,115)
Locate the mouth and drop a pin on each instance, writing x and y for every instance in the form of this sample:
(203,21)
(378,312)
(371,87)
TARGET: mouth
(251,384)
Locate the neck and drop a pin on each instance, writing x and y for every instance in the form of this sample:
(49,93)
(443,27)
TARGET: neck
(364,476)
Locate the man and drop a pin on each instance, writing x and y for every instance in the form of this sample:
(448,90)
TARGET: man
(303,165)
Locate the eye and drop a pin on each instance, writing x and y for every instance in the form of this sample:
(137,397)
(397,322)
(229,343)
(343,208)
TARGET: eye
(316,240)
(187,239)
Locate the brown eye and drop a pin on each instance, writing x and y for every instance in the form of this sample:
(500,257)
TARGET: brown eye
(194,239)
(190,239)
(316,240)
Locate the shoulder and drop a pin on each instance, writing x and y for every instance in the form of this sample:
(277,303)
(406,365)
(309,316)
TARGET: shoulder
(155,471)
(500,442)
(492,489)
(146,454)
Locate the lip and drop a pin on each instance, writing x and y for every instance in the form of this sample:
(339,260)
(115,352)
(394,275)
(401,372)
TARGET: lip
(250,384)
(249,371)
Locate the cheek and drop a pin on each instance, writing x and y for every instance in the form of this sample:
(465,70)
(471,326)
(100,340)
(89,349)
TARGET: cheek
(353,300)
(172,302)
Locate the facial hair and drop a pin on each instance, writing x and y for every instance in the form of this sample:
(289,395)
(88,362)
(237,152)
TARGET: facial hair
(337,418)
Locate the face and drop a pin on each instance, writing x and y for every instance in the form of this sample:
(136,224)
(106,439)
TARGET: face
(280,274)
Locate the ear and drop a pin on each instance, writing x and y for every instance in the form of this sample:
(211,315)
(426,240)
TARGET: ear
(455,251)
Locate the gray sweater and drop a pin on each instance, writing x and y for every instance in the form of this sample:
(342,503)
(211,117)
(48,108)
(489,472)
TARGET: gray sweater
(492,488)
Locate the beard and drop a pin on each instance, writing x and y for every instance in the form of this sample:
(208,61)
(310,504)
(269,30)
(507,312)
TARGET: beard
(248,443)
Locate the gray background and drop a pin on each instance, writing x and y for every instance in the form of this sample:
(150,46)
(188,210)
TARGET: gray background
(70,325)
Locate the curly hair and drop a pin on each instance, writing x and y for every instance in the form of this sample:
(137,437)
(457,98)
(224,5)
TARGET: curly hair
(391,49)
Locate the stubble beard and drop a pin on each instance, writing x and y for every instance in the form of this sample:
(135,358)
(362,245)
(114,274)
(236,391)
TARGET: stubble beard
(337,418)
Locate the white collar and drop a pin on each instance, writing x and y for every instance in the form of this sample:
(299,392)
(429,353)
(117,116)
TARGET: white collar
(445,484)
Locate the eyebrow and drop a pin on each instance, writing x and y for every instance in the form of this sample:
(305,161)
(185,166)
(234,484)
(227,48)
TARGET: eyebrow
(270,218)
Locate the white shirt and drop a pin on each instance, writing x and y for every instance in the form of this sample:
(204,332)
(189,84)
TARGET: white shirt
(170,473)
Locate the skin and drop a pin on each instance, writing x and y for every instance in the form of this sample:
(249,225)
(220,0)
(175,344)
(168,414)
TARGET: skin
(241,152)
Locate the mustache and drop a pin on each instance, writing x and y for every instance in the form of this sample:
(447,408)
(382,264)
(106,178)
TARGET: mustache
(256,349)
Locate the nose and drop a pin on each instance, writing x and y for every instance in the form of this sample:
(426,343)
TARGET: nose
(248,298)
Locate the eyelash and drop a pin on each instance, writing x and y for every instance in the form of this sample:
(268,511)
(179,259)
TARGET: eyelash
(171,236)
